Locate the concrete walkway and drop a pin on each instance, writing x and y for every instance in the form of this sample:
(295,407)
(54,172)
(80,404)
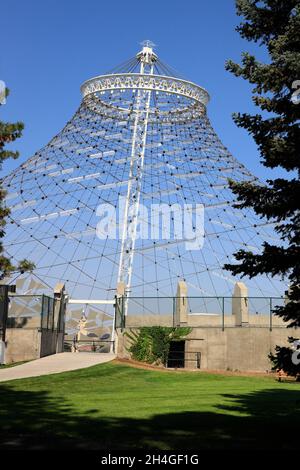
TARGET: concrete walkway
(54,365)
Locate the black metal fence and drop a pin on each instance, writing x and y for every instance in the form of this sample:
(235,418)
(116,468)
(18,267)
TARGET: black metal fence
(47,320)
(34,311)
(207,311)
(3,311)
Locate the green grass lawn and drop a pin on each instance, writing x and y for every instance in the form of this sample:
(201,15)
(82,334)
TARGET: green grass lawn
(115,406)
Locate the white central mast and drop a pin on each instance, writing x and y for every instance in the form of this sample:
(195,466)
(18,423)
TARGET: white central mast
(147,58)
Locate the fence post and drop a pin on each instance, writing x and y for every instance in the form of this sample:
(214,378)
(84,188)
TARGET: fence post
(4,300)
(198,359)
(123,312)
(53,314)
(271,307)
(42,312)
(116,312)
(174,310)
(223,318)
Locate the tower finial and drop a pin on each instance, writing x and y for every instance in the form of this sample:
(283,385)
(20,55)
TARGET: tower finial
(147,55)
(148,43)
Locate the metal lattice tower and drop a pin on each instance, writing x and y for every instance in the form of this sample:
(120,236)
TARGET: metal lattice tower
(141,111)
(140,134)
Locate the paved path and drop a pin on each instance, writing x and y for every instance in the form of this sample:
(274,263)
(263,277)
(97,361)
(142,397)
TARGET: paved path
(54,365)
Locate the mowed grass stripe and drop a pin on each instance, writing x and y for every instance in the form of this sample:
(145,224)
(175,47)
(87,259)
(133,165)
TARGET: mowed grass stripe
(118,406)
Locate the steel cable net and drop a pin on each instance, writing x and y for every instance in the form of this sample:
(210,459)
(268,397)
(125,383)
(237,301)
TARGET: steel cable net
(140,139)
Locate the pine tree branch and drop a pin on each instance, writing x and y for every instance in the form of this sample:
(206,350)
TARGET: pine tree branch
(252,265)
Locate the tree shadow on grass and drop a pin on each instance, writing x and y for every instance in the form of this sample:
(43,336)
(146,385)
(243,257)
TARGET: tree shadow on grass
(35,420)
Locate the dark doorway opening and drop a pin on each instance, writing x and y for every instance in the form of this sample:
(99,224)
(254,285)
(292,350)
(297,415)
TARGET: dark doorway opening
(176,354)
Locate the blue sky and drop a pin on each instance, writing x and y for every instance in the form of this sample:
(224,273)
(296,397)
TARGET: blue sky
(50,47)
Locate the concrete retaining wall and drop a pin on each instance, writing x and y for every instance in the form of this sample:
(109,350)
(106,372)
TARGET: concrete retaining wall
(202,320)
(22,345)
(26,344)
(237,348)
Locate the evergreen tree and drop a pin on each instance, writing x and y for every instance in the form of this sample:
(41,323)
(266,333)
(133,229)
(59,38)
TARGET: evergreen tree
(9,132)
(274,24)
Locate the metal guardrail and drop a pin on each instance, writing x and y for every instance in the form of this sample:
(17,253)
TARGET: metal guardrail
(178,359)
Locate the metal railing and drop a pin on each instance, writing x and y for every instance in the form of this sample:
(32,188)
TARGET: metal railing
(181,359)
(201,311)
(99,346)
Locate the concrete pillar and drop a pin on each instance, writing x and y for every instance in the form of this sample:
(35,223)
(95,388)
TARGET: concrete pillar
(120,289)
(120,292)
(60,304)
(119,306)
(2,352)
(181,304)
(4,302)
(240,304)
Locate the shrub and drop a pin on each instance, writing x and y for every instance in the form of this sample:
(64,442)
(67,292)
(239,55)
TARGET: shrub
(151,344)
